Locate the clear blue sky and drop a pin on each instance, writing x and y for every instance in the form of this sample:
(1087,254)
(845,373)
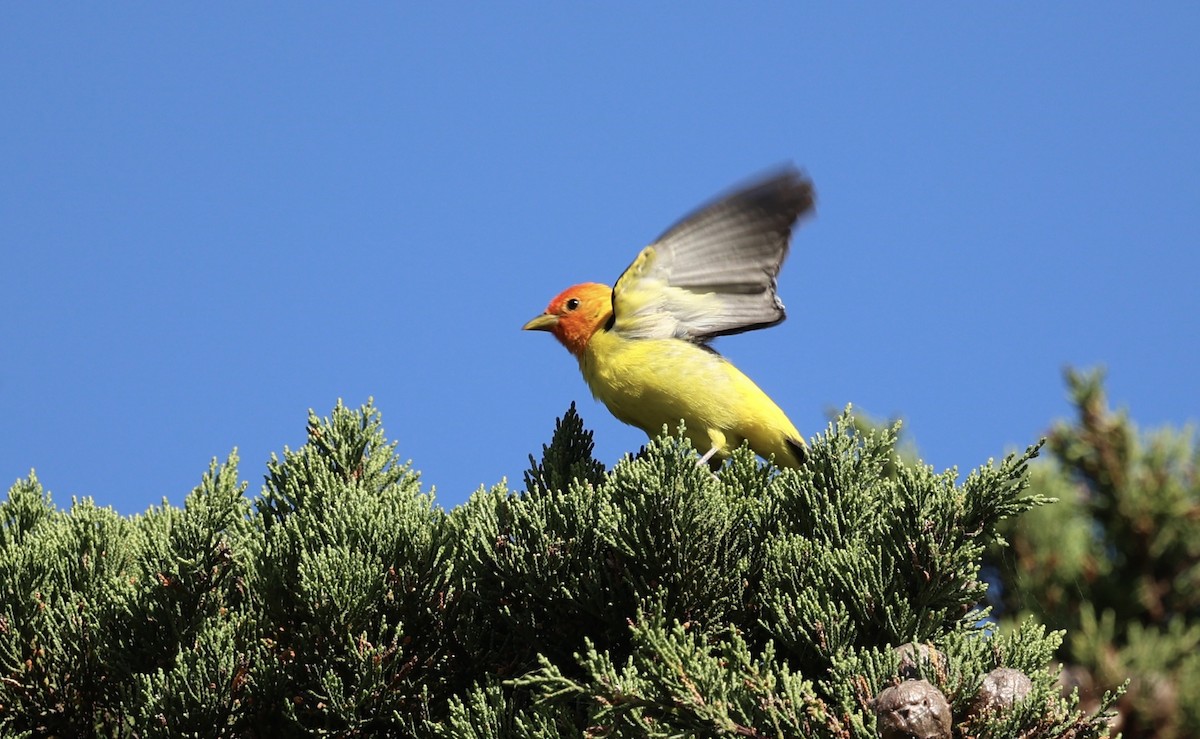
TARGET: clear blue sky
(216,216)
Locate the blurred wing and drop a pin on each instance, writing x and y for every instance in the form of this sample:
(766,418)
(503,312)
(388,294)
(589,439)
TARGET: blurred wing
(713,273)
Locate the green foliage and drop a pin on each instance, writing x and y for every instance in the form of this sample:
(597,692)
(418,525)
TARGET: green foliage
(1116,562)
(860,557)
(351,582)
(567,458)
(678,682)
(98,610)
(657,599)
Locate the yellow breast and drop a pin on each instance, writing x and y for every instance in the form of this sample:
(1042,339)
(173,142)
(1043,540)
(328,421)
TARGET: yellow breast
(652,383)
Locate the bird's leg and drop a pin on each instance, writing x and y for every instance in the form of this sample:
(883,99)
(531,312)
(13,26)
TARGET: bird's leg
(717,439)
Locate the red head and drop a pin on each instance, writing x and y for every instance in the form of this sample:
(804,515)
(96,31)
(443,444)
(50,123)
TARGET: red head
(575,314)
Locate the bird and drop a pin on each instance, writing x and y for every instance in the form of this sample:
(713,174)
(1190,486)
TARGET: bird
(643,345)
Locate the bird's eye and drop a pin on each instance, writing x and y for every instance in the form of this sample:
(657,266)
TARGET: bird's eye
(573,303)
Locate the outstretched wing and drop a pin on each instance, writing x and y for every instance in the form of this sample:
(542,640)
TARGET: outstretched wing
(713,273)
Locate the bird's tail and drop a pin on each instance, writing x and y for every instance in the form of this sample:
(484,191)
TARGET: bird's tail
(799,453)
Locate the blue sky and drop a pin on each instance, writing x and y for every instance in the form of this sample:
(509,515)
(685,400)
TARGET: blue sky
(214,217)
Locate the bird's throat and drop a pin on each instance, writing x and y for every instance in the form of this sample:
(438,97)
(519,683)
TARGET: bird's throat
(574,336)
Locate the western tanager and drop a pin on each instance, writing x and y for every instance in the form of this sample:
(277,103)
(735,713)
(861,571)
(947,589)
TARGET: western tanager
(642,345)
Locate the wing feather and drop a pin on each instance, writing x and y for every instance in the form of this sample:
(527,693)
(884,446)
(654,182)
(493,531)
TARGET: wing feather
(714,272)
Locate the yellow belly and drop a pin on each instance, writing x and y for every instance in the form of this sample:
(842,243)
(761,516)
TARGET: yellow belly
(652,383)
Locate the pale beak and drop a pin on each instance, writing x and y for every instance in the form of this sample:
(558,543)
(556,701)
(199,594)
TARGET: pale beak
(544,322)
